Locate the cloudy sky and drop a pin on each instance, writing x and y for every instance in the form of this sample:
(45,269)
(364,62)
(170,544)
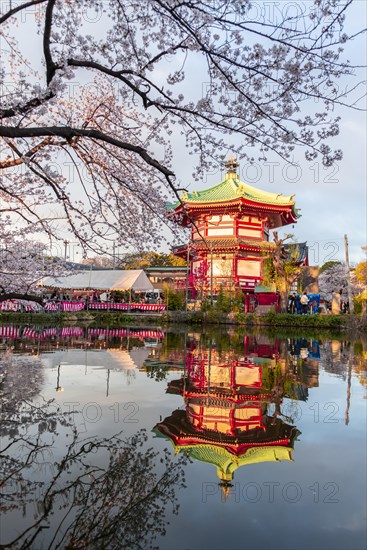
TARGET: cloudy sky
(332,200)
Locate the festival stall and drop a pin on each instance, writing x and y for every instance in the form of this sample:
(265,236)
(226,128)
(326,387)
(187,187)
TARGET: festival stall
(91,283)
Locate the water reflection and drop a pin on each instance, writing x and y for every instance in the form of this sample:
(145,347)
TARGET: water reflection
(224,400)
(61,490)
(228,397)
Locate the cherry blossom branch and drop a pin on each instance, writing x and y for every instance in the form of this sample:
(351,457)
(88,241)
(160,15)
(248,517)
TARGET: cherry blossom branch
(68,133)
(18,8)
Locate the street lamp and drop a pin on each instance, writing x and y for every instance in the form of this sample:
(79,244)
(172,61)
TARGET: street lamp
(66,242)
(211,273)
(364,302)
(58,387)
(194,257)
(187,275)
(66,245)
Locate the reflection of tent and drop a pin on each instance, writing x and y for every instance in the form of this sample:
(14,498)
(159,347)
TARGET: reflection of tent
(113,359)
(120,359)
(134,279)
(74,357)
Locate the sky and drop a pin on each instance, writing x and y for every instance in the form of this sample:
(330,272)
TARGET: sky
(332,201)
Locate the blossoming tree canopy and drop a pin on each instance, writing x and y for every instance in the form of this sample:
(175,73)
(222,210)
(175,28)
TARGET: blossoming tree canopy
(88,131)
(333,278)
(22,265)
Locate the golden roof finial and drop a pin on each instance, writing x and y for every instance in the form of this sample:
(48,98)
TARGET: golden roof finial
(231,166)
(226,487)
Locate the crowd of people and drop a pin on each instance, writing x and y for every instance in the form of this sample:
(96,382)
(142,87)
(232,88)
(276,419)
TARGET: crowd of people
(115,297)
(58,296)
(303,304)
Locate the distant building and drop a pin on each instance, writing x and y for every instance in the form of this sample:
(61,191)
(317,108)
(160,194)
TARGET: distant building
(173,276)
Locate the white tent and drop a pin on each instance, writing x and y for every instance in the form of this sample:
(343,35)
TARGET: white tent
(134,279)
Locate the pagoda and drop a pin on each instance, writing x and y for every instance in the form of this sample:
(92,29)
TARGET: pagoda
(230,226)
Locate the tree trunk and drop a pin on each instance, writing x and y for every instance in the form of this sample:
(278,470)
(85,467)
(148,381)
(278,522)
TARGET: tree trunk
(283,302)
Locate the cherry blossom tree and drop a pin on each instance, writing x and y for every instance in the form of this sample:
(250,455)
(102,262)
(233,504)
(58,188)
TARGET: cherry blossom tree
(88,131)
(23,264)
(334,278)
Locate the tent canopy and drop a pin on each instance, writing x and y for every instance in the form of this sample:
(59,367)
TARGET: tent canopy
(117,279)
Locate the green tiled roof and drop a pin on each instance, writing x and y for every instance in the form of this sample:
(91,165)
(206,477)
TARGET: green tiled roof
(227,463)
(231,189)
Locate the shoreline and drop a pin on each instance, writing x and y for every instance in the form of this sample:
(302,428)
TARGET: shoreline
(343,323)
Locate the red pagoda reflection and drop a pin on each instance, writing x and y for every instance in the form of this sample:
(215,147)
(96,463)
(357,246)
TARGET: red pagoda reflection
(226,422)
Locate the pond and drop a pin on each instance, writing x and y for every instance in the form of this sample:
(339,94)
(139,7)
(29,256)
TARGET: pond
(182,439)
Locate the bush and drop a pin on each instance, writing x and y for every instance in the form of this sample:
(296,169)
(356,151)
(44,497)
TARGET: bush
(226,301)
(212,315)
(175,300)
(286,319)
(357,301)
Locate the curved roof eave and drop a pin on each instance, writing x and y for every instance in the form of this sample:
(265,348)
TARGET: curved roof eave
(230,190)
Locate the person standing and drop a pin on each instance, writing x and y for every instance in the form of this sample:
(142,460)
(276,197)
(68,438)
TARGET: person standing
(292,303)
(304,303)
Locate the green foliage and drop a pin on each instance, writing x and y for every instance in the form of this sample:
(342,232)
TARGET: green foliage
(226,301)
(213,315)
(53,319)
(361,273)
(245,318)
(357,301)
(281,269)
(285,319)
(269,273)
(357,305)
(174,299)
(358,348)
(327,265)
(230,301)
(270,376)
(185,317)
(143,260)
(157,372)
(240,318)
(205,305)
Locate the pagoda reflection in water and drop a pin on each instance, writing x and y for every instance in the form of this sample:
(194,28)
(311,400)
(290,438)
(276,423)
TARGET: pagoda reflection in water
(226,421)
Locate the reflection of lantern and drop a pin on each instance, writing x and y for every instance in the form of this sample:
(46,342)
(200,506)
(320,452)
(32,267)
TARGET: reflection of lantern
(58,387)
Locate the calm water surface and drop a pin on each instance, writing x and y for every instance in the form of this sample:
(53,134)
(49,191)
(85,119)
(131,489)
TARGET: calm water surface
(140,438)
